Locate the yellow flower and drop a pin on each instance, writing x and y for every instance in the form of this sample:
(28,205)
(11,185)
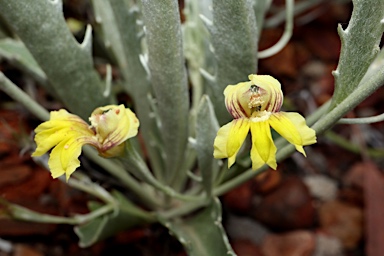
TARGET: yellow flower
(255,106)
(67,133)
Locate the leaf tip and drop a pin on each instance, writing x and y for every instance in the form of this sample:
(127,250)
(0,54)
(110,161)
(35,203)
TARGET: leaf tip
(342,32)
(207,75)
(207,22)
(87,42)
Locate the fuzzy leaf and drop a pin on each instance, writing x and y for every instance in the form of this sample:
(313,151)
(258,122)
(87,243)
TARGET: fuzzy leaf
(16,51)
(261,7)
(206,129)
(118,27)
(234,39)
(203,233)
(67,64)
(359,46)
(127,215)
(196,43)
(120,33)
(168,77)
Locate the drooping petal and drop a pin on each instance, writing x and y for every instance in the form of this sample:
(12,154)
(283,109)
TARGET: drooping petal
(230,138)
(293,128)
(237,135)
(44,139)
(66,134)
(60,126)
(221,141)
(64,157)
(263,149)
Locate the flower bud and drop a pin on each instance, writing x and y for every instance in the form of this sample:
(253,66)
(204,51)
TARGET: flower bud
(113,125)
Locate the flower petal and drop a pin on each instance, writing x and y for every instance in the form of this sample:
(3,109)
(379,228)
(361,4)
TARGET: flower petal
(237,135)
(60,126)
(64,157)
(263,149)
(221,140)
(66,134)
(230,138)
(293,128)
(237,99)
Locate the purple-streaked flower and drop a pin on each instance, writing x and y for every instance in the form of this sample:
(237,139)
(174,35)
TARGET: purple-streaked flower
(66,133)
(255,106)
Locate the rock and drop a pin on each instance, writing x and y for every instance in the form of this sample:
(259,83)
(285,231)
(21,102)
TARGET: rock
(239,198)
(11,174)
(245,248)
(296,243)
(24,250)
(327,245)
(243,228)
(321,187)
(266,182)
(343,221)
(287,207)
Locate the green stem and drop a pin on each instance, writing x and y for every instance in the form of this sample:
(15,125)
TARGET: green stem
(350,102)
(346,144)
(83,183)
(22,213)
(286,35)
(362,120)
(184,209)
(123,176)
(300,7)
(179,181)
(135,164)
(227,186)
(20,96)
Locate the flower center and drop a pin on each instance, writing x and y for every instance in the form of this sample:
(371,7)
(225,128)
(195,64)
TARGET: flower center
(255,100)
(259,116)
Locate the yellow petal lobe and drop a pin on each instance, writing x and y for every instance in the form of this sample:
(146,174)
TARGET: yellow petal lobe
(66,134)
(221,141)
(263,148)
(230,138)
(236,137)
(293,128)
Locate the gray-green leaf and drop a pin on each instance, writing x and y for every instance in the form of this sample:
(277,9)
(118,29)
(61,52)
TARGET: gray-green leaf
(16,51)
(206,129)
(126,215)
(234,39)
(203,233)
(168,77)
(359,46)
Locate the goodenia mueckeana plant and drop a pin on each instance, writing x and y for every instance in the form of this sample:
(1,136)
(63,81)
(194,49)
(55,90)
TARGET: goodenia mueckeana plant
(176,74)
